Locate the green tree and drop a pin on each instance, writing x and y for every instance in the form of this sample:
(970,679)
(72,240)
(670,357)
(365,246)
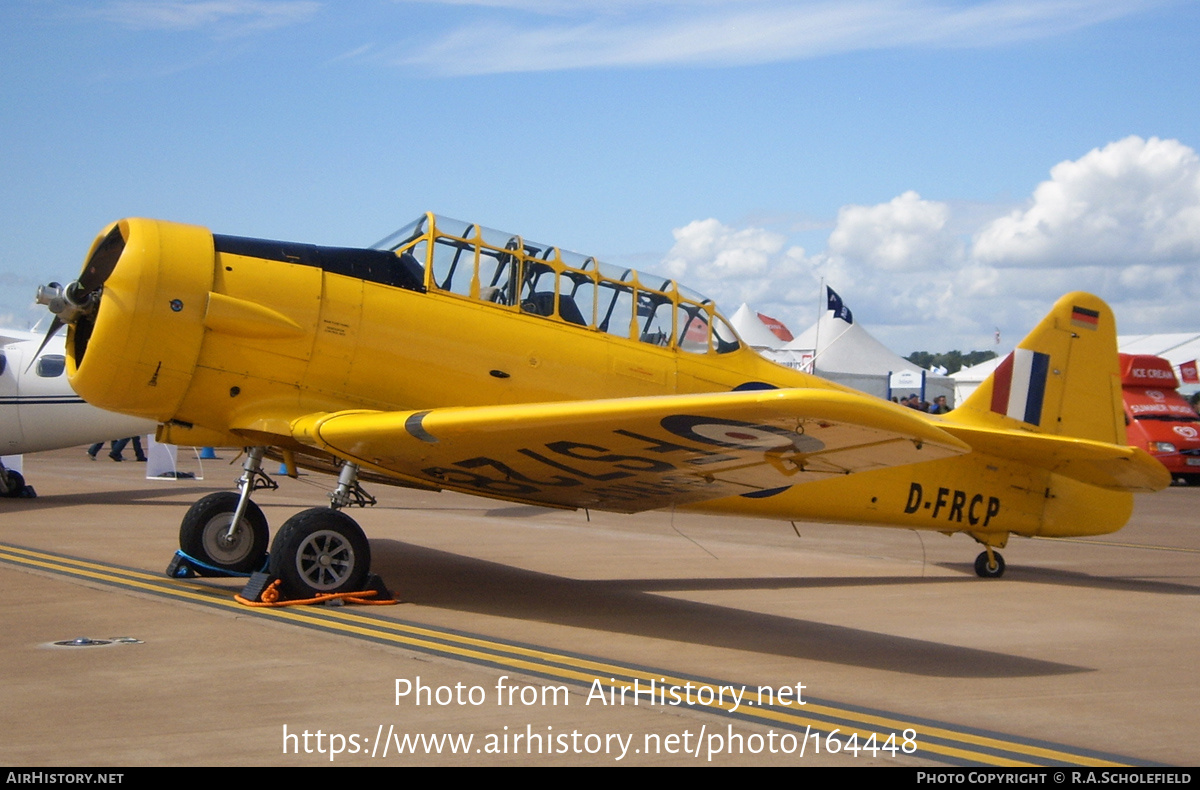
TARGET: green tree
(952,361)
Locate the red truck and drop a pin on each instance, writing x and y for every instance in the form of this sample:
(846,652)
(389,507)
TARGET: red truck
(1158,418)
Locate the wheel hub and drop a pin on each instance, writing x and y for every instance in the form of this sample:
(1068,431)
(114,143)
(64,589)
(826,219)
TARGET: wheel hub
(225,544)
(320,550)
(325,559)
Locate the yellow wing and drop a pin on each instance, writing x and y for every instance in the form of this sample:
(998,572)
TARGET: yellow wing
(634,454)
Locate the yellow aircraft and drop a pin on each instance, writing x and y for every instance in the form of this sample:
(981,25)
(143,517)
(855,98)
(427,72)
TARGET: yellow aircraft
(451,356)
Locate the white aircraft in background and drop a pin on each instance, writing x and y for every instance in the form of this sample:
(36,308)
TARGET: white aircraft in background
(39,410)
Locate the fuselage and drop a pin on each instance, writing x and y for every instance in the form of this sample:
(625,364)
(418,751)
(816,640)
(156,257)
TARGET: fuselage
(227,341)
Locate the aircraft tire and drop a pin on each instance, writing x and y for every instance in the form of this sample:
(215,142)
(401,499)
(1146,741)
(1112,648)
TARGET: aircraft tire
(320,550)
(984,571)
(201,535)
(14,484)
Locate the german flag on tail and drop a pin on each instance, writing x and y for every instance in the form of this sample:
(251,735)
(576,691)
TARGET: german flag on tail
(1083,318)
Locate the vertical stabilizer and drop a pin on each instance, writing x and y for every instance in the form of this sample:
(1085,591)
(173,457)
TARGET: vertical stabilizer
(1062,379)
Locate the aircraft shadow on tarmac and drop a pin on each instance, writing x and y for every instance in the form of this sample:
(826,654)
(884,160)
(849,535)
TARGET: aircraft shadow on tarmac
(154,495)
(1014,573)
(1065,578)
(430,577)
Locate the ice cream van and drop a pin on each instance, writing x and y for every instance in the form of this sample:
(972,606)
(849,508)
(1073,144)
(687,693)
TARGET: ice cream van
(1158,418)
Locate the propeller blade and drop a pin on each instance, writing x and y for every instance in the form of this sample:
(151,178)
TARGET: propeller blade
(101,264)
(55,325)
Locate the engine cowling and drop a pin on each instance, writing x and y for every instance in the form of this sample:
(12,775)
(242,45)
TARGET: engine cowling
(135,349)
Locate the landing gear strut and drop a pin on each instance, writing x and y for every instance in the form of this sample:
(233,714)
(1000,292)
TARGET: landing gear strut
(322,550)
(316,551)
(227,531)
(208,534)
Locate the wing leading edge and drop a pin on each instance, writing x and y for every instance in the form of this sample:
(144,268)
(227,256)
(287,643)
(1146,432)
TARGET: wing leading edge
(634,454)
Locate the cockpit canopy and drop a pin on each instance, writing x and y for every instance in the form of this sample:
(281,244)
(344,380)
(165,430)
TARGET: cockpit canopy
(491,266)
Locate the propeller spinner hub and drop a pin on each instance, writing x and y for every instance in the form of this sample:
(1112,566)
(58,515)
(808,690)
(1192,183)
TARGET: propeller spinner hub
(62,303)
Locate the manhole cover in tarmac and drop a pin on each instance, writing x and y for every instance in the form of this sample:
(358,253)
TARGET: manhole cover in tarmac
(84,641)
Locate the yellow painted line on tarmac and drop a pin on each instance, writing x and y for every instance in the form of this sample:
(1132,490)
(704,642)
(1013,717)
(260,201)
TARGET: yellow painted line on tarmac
(824,723)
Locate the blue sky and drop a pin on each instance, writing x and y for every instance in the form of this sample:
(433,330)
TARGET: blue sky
(949,167)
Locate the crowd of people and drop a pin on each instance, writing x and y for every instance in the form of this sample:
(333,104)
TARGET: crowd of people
(939,405)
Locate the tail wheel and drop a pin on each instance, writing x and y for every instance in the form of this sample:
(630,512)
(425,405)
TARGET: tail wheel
(321,550)
(204,533)
(989,568)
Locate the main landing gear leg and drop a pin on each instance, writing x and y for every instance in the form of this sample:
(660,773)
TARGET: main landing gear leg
(226,530)
(348,491)
(322,550)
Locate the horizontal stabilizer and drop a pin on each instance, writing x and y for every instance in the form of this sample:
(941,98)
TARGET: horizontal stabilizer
(1110,466)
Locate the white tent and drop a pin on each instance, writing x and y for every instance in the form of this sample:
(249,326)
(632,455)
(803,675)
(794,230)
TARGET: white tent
(1175,346)
(968,380)
(752,330)
(848,354)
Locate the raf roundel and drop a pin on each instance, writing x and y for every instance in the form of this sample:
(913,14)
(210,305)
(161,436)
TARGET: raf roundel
(743,435)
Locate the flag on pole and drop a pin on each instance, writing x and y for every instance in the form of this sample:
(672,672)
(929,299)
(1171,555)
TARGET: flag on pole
(777,327)
(839,310)
(1187,372)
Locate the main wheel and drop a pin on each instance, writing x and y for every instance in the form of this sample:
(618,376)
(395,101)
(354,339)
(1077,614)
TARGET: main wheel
(321,550)
(204,533)
(987,569)
(14,483)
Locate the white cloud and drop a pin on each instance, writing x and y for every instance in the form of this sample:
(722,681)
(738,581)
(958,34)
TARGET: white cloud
(726,252)
(555,35)
(905,234)
(896,262)
(233,16)
(1133,201)
(1122,221)
(730,265)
